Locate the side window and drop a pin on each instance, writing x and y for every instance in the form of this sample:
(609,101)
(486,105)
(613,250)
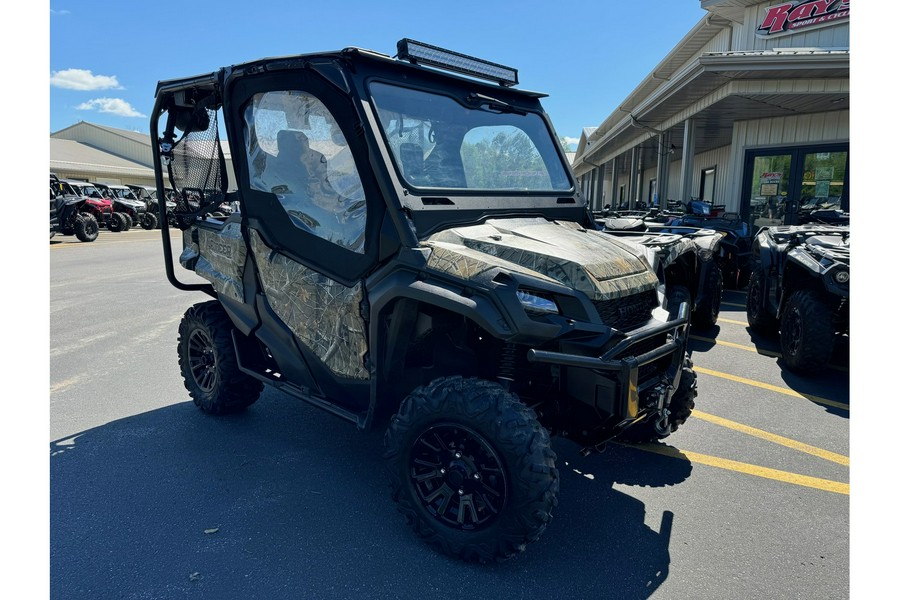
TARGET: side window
(297,151)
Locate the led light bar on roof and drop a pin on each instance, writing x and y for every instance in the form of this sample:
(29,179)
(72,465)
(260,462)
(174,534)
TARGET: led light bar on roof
(425,54)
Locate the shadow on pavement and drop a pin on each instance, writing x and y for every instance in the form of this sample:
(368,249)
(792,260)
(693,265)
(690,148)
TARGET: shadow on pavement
(285,501)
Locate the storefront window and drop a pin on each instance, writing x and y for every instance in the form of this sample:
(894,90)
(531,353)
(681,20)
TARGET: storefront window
(785,186)
(823,181)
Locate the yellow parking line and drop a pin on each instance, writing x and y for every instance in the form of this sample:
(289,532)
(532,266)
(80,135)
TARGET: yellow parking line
(748,469)
(773,388)
(738,346)
(745,323)
(771,437)
(753,349)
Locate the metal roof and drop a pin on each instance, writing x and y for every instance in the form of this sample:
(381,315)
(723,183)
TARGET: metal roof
(69,155)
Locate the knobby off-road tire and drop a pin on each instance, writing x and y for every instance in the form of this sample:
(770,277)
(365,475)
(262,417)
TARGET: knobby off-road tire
(471,469)
(86,227)
(758,317)
(706,312)
(116,222)
(807,332)
(680,408)
(149,221)
(129,222)
(208,361)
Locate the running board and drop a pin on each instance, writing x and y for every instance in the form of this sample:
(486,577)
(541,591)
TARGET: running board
(274,378)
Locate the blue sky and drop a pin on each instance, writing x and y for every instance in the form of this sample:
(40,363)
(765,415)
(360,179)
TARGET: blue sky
(588,55)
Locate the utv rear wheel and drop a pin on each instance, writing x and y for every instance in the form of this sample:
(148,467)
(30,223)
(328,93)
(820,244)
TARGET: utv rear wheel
(209,364)
(680,409)
(471,469)
(149,220)
(807,332)
(86,227)
(116,222)
(707,311)
(758,317)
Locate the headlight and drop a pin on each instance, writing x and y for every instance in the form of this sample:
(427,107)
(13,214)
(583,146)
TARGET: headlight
(535,304)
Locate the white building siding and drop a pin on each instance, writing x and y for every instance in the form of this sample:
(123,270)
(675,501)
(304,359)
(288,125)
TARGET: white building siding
(718,158)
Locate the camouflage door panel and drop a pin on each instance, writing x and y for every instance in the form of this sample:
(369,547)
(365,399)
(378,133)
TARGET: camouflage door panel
(219,258)
(323,314)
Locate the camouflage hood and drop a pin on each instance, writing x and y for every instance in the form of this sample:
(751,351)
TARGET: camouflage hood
(589,261)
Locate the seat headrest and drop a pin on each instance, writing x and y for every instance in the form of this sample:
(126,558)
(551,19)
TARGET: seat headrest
(292,141)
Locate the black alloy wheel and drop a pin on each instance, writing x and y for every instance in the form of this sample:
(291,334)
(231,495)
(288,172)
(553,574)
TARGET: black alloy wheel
(209,363)
(202,360)
(458,477)
(471,468)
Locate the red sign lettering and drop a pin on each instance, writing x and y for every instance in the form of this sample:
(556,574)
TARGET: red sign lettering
(802,14)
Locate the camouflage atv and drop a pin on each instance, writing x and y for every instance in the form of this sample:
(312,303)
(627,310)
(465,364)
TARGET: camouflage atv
(800,287)
(412,254)
(684,259)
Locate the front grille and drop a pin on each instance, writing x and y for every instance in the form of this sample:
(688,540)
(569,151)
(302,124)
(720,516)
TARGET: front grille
(629,312)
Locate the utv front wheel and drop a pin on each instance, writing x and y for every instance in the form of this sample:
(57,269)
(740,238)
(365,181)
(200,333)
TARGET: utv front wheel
(86,227)
(471,469)
(807,332)
(149,221)
(209,364)
(117,222)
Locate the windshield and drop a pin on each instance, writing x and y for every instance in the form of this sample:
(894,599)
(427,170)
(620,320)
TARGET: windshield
(487,145)
(89,190)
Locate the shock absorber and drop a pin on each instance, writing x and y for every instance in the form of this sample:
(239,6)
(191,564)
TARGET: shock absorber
(506,370)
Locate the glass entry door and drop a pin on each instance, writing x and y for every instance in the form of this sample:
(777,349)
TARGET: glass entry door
(784,186)
(768,189)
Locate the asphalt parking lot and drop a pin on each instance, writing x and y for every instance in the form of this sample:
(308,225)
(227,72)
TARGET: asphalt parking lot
(149,498)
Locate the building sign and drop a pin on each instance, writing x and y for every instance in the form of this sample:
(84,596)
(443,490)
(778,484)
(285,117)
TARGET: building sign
(769,183)
(802,15)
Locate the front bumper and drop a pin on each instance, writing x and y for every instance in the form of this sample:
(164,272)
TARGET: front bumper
(635,378)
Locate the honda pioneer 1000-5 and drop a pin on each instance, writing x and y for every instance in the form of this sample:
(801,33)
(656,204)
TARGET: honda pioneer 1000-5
(411,253)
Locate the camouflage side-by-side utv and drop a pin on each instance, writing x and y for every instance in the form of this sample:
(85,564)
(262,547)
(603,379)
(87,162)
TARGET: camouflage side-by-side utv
(800,286)
(411,253)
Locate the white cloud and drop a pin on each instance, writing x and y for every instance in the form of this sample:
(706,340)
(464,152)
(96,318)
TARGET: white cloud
(80,79)
(60,12)
(115,106)
(570,140)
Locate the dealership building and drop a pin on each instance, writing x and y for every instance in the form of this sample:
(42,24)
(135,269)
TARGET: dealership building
(100,154)
(749,111)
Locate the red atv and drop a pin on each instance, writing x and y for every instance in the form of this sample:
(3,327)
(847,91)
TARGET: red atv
(96,205)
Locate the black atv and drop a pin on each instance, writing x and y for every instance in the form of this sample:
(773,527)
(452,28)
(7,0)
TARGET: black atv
(125,201)
(800,286)
(68,215)
(733,249)
(412,254)
(684,259)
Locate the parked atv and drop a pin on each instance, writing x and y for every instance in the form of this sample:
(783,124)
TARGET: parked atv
(732,253)
(125,201)
(412,254)
(95,204)
(68,215)
(800,286)
(683,259)
(150,217)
